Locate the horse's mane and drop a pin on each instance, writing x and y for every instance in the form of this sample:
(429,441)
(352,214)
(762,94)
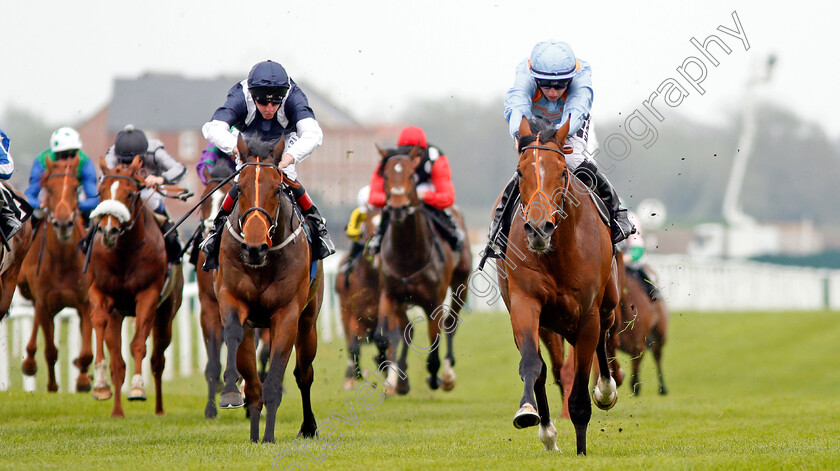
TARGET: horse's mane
(220,169)
(259,147)
(539,127)
(401,150)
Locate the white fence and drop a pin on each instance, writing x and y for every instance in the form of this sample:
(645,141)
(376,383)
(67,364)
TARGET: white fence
(686,284)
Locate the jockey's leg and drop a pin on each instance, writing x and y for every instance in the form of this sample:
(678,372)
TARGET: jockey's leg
(375,242)
(445,221)
(9,222)
(620,225)
(500,226)
(323,247)
(355,250)
(172,242)
(210,245)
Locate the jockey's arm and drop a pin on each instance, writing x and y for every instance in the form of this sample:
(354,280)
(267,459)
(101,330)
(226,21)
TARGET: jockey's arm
(33,191)
(309,137)
(377,191)
(172,171)
(443,195)
(579,100)
(88,182)
(7,163)
(218,133)
(518,98)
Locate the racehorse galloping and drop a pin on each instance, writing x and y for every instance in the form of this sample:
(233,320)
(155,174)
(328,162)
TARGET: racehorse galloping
(129,278)
(564,282)
(358,294)
(267,278)
(644,326)
(11,256)
(417,267)
(211,321)
(51,276)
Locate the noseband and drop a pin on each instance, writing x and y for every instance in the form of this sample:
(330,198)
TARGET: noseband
(540,191)
(135,197)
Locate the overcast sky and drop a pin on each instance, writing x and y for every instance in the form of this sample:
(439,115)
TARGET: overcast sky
(373,57)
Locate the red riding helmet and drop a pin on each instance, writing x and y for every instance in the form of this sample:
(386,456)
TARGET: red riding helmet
(412,136)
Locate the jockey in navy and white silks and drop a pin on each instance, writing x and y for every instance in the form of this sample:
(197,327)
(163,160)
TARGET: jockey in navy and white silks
(7,163)
(555,85)
(268,105)
(10,223)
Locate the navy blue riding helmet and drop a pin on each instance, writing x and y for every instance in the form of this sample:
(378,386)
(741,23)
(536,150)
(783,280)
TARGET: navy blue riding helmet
(268,82)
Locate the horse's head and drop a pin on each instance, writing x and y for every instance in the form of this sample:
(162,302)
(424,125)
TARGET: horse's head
(543,179)
(59,182)
(261,201)
(119,194)
(400,182)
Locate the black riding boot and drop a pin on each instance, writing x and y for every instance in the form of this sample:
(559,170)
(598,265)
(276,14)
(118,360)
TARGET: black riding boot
(620,225)
(9,223)
(211,244)
(500,226)
(650,286)
(445,221)
(172,243)
(375,242)
(355,250)
(323,247)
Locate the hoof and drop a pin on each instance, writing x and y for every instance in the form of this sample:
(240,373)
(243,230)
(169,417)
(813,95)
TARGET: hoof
(548,437)
(137,394)
(434,383)
(102,393)
(210,410)
(52,387)
(349,383)
(29,367)
(448,382)
(605,396)
(403,387)
(231,400)
(83,383)
(526,416)
(663,391)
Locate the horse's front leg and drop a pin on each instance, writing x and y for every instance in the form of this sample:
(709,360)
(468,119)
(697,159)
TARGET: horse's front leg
(580,408)
(605,393)
(388,339)
(86,354)
(284,332)
(434,316)
(211,329)
(233,312)
(30,365)
(145,307)
(99,315)
(524,318)
(246,365)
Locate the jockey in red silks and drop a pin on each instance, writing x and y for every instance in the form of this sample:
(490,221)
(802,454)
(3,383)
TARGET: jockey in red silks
(434,188)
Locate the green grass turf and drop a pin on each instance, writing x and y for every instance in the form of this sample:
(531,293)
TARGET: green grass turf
(747,391)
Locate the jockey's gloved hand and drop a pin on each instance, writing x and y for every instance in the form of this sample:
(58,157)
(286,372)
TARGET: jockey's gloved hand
(38,214)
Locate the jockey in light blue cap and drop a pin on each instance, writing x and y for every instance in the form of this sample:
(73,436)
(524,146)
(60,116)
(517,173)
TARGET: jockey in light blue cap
(555,85)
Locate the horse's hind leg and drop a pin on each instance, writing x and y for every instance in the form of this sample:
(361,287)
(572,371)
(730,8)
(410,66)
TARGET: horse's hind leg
(655,344)
(162,331)
(448,325)
(547,433)
(86,354)
(589,336)
(305,348)
(354,371)
(433,358)
(605,393)
(211,329)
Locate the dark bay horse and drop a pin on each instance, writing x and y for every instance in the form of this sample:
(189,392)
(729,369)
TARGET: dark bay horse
(52,277)
(128,269)
(564,281)
(644,326)
(358,294)
(267,278)
(11,257)
(209,318)
(417,267)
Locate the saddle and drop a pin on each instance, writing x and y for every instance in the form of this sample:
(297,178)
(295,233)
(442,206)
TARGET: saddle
(14,211)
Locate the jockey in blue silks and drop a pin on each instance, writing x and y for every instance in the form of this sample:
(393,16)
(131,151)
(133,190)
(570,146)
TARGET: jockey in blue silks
(10,223)
(269,105)
(555,85)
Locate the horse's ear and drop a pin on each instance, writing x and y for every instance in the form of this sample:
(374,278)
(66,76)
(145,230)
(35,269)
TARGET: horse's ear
(205,172)
(103,166)
(524,128)
(563,131)
(50,164)
(242,147)
(382,152)
(277,153)
(136,163)
(415,154)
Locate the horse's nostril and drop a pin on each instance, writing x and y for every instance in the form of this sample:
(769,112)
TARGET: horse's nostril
(264,248)
(548,228)
(243,246)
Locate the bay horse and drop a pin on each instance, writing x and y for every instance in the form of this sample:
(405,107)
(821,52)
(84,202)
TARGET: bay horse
(565,281)
(267,278)
(128,267)
(52,276)
(644,326)
(11,257)
(417,267)
(358,294)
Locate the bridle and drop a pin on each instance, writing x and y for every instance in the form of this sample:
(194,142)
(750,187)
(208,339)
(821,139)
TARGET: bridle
(258,211)
(411,208)
(134,198)
(75,213)
(539,191)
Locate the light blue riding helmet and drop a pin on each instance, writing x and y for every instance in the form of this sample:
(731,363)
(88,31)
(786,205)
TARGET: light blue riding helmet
(553,60)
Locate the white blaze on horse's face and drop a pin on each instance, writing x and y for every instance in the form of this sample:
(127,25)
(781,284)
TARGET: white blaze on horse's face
(398,168)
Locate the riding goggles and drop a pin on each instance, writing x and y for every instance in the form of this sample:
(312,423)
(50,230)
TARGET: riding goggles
(555,84)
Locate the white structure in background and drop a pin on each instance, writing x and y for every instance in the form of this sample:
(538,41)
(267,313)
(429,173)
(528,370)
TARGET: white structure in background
(741,236)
